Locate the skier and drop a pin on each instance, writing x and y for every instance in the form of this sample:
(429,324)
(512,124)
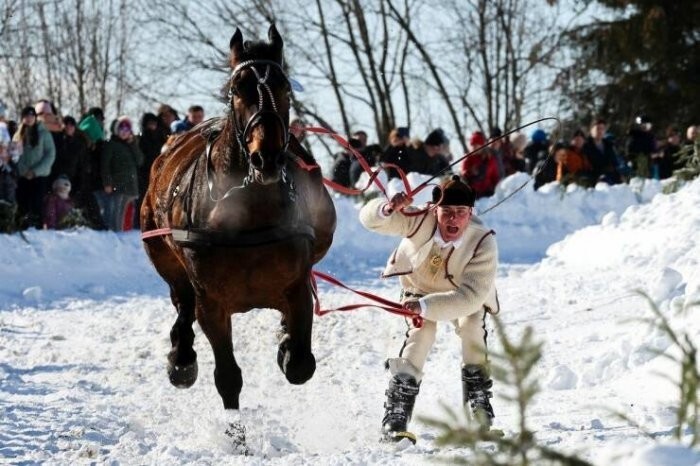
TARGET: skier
(446,263)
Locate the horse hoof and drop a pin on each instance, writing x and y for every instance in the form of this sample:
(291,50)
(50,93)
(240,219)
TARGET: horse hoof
(298,370)
(182,376)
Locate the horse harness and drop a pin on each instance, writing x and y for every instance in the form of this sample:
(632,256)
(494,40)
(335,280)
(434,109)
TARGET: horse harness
(193,237)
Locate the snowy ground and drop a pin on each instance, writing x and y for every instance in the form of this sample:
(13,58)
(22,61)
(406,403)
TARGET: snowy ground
(84,325)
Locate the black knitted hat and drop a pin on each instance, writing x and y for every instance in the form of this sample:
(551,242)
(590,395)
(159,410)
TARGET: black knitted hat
(455,192)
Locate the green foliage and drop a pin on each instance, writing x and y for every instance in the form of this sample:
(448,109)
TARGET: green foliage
(8,217)
(688,158)
(512,368)
(74,219)
(637,56)
(688,411)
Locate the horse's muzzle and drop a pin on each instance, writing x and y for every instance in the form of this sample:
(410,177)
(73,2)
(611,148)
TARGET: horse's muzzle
(267,167)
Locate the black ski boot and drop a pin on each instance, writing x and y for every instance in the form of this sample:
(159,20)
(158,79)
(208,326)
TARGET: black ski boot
(400,398)
(476,385)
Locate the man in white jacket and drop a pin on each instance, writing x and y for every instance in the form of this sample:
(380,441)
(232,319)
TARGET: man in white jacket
(446,263)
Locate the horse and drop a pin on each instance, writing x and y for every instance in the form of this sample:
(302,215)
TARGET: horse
(234,219)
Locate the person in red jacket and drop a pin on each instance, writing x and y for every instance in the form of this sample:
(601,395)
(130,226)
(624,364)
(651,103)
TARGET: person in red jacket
(480,169)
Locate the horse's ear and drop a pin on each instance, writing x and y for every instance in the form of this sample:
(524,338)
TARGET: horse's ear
(275,38)
(236,44)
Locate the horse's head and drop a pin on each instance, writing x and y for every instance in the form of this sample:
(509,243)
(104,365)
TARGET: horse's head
(259,99)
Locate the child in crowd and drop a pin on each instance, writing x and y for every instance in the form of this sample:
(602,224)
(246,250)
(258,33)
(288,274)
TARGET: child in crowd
(58,203)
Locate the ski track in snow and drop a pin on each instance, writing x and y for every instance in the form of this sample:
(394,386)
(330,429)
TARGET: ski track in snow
(82,355)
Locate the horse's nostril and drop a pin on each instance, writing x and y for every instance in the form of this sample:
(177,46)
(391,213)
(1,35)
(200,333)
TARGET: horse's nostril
(256,160)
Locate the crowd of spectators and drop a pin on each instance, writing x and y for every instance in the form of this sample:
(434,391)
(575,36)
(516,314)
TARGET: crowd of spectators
(57,172)
(586,158)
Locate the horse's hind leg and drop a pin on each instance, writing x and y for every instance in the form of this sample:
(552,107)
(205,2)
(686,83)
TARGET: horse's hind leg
(216,325)
(294,356)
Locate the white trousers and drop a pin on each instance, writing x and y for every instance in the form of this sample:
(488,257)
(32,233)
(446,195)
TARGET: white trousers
(471,330)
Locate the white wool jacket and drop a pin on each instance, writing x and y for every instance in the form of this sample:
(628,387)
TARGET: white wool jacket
(455,282)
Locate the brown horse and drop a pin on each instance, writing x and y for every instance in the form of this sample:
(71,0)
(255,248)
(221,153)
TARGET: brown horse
(235,224)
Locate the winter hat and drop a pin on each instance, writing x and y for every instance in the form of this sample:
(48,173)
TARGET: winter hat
(27,111)
(123,122)
(454,192)
(538,135)
(478,139)
(435,138)
(495,132)
(518,140)
(61,183)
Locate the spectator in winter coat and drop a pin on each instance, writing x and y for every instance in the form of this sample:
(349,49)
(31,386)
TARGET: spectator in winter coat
(195,115)
(536,150)
(151,140)
(120,161)
(480,170)
(370,154)
(572,164)
(446,263)
(57,204)
(71,154)
(9,155)
(503,153)
(167,115)
(398,152)
(664,164)
(296,128)
(91,196)
(641,144)
(601,154)
(342,163)
(518,142)
(432,160)
(33,166)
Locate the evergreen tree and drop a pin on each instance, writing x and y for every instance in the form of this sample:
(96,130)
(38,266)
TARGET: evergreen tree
(643,58)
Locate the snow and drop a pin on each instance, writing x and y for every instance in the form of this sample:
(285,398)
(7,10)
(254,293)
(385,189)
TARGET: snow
(85,320)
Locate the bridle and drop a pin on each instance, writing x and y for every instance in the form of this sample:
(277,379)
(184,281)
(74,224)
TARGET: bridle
(263,88)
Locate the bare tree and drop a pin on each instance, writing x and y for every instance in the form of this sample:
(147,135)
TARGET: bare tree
(76,53)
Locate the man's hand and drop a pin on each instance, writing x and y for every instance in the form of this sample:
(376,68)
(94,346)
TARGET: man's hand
(398,201)
(413,307)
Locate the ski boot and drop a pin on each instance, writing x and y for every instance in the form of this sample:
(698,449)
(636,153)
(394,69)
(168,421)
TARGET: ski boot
(476,385)
(400,399)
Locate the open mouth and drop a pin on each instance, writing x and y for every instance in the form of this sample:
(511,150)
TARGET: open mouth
(452,229)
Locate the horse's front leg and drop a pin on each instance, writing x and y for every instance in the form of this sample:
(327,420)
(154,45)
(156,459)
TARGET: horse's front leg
(294,356)
(215,322)
(182,359)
